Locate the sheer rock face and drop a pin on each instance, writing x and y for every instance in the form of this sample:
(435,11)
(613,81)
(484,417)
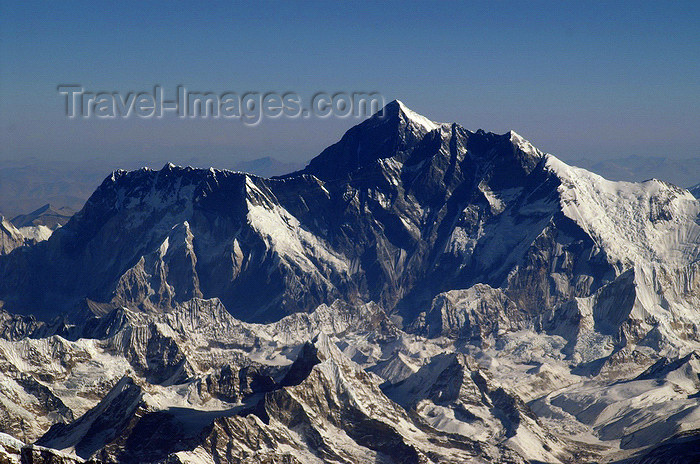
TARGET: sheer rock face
(418,283)
(394,213)
(13,451)
(337,412)
(102,424)
(402,211)
(10,237)
(236,400)
(324,407)
(452,395)
(13,237)
(457,233)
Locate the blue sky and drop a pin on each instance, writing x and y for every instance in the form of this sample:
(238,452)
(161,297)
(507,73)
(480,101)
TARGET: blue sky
(580,80)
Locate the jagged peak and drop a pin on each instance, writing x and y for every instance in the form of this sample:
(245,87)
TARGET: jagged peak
(395,128)
(396,116)
(43,208)
(523,144)
(9,228)
(414,117)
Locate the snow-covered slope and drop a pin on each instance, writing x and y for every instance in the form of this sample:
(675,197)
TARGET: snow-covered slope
(652,221)
(10,237)
(418,293)
(13,451)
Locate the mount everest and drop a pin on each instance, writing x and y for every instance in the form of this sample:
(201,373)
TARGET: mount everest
(418,293)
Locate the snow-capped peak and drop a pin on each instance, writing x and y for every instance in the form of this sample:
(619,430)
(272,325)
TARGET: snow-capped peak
(523,143)
(416,118)
(404,240)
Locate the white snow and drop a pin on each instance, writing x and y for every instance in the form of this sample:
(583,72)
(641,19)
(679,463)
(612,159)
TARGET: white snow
(285,235)
(37,233)
(524,144)
(650,221)
(417,118)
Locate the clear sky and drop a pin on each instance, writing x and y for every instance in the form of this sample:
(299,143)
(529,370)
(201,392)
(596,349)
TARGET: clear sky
(578,79)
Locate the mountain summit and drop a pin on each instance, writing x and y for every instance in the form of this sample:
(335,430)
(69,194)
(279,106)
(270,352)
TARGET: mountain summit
(395,132)
(400,211)
(418,293)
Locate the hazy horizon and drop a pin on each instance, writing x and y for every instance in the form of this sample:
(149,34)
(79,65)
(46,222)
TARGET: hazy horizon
(585,81)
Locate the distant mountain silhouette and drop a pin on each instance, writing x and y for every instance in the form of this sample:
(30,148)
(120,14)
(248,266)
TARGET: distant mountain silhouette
(682,172)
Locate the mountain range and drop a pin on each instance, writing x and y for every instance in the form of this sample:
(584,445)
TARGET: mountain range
(29,184)
(417,293)
(26,184)
(48,215)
